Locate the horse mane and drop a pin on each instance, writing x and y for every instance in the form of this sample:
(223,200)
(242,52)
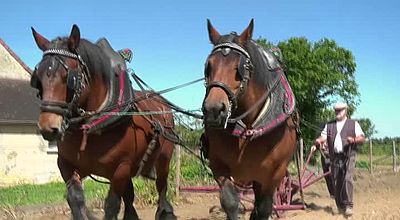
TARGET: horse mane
(261,73)
(92,54)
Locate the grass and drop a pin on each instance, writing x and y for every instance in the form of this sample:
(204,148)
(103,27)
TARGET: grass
(192,172)
(50,193)
(27,194)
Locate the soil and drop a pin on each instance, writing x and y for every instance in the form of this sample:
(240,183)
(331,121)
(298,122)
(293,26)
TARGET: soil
(377,196)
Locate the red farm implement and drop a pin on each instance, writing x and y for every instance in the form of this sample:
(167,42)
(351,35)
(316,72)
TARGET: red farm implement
(285,192)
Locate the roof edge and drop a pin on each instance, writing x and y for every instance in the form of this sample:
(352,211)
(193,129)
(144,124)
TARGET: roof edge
(26,122)
(15,56)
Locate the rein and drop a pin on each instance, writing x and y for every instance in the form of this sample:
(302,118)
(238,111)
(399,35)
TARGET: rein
(153,93)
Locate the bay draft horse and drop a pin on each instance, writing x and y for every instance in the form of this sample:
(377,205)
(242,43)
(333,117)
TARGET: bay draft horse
(119,151)
(237,88)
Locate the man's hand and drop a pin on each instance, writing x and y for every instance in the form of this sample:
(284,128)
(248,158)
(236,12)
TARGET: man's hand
(313,148)
(317,142)
(351,140)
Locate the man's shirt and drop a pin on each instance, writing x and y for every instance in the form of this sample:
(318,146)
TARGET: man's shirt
(338,146)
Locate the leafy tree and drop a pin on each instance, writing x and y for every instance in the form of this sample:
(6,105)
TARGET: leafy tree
(367,126)
(319,73)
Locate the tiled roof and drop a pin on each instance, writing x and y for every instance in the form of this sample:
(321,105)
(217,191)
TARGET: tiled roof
(18,102)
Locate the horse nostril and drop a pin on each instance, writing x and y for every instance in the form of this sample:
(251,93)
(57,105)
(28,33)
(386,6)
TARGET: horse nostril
(214,110)
(55,131)
(51,133)
(222,107)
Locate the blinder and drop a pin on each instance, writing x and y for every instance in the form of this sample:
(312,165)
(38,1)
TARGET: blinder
(35,83)
(242,67)
(34,79)
(72,79)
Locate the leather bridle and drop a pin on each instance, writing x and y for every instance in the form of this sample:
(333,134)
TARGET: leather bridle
(77,80)
(245,68)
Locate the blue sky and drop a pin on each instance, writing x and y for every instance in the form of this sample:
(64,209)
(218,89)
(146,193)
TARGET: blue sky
(170,40)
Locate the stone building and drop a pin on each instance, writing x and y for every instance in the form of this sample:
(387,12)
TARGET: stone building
(24,156)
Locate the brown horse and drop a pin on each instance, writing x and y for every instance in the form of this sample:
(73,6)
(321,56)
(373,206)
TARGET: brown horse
(250,124)
(81,84)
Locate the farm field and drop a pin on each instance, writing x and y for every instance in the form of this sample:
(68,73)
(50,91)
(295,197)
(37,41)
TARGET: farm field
(376,197)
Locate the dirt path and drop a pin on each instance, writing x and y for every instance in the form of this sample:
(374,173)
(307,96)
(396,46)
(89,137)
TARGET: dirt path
(377,196)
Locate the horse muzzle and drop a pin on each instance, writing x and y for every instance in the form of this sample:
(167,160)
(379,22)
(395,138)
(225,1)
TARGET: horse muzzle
(215,114)
(50,126)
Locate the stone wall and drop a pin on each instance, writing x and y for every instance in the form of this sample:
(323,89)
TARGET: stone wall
(24,157)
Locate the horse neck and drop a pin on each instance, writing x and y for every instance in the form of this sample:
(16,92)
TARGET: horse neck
(256,88)
(95,94)
(249,98)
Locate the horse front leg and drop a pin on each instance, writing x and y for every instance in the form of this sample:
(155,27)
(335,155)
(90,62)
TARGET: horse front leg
(75,194)
(262,204)
(229,197)
(112,205)
(129,197)
(121,185)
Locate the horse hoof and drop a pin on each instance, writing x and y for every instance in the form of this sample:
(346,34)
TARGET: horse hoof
(166,216)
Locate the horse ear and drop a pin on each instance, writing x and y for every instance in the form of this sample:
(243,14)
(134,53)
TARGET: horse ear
(41,41)
(247,33)
(74,38)
(212,33)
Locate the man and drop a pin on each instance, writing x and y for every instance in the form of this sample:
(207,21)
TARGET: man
(342,137)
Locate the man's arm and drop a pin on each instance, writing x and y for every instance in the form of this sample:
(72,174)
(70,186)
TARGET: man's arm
(359,138)
(356,140)
(322,138)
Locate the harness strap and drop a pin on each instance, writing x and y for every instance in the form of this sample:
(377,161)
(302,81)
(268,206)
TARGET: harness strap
(231,96)
(233,46)
(259,102)
(83,143)
(152,145)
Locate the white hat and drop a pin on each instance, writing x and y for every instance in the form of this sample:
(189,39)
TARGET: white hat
(340,106)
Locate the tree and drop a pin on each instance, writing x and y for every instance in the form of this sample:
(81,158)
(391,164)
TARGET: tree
(319,73)
(367,126)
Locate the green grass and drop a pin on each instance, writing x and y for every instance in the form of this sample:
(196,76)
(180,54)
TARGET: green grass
(51,193)
(380,160)
(192,172)
(30,194)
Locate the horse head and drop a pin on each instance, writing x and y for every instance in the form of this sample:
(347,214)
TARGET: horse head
(227,71)
(62,79)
